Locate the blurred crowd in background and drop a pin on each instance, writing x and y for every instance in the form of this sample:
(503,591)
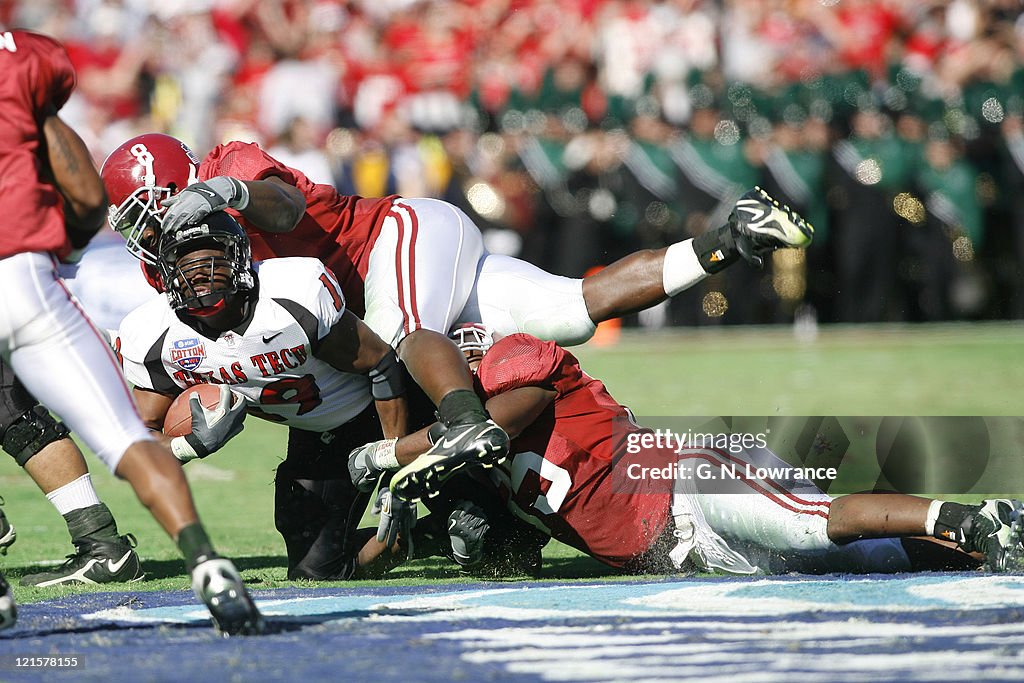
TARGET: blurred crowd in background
(577,131)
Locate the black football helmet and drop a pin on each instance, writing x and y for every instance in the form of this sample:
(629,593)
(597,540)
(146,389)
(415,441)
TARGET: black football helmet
(201,286)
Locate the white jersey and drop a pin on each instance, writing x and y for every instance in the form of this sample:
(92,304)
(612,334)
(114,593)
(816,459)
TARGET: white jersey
(270,361)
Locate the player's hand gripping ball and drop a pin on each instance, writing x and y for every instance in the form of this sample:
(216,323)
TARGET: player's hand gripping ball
(202,419)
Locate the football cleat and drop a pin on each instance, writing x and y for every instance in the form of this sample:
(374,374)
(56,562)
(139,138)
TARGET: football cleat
(8,610)
(219,585)
(760,225)
(7,533)
(467,528)
(94,562)
(996,529)
(477,443)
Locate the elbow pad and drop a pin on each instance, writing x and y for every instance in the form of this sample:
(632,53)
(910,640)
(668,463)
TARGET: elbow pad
(387,377)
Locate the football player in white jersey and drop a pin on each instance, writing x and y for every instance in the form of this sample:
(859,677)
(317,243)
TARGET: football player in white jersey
(276,336)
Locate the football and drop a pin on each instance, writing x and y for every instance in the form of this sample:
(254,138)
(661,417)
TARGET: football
(178,421)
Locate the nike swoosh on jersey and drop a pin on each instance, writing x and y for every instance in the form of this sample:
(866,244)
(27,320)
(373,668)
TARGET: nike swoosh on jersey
(267,338)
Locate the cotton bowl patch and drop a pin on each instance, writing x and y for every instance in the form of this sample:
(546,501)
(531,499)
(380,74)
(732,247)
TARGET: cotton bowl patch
(187,353)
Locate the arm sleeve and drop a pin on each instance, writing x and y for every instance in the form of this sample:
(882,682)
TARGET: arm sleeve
(245,161)
(520,360)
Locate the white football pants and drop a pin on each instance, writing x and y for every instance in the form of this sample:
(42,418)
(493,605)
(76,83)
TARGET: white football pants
(63,359)
(429,269)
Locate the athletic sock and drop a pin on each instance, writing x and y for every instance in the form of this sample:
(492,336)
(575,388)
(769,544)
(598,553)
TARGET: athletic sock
(94,521)
(461,406)
(74,495)
(682,268)
(195,545)
(716,249)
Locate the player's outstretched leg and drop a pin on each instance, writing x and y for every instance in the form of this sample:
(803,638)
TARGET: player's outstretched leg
(7,533)
(757,226)
(160,485)
(8,610)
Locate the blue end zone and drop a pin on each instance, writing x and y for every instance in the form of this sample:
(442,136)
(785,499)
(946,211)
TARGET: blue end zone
(909,628)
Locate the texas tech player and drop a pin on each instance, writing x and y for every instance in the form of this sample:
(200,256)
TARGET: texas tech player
(51,200)
(420,263)
(412,294)
(278,339)
(568,434)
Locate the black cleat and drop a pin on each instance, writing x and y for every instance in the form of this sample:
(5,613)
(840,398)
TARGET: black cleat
(219,585)
(996,530)
(478,443)
(761,225)
(94,562)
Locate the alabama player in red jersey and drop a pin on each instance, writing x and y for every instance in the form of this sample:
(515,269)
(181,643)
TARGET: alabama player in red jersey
(278,339)
(418,265)
(568,440)
(51,201)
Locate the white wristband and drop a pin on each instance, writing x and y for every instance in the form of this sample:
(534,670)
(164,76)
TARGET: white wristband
(182,450)
(384,455)
(682,268)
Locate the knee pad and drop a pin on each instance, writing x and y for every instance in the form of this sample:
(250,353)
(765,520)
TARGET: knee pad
(30,433)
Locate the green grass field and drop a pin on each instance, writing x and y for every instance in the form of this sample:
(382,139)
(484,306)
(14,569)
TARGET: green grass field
(969,369)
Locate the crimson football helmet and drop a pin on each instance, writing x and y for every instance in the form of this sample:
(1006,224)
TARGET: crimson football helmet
(139,175)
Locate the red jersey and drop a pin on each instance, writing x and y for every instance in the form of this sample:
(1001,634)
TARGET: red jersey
(37,79)
(561,471)
(340,230)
